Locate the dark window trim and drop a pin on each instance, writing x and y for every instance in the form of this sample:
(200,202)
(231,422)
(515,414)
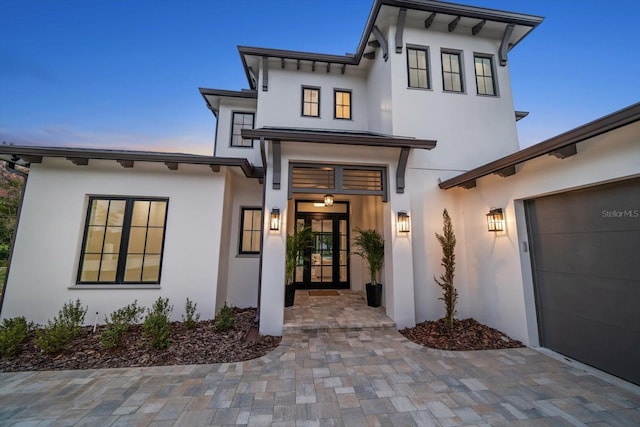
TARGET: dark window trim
(241,230)
(428,69)
(233,115)
(335,103)
(124,240)
(494,77)
(302,101)
(459,53)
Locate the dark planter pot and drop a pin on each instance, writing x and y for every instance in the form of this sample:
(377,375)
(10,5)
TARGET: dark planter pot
(289,295)
(374,294)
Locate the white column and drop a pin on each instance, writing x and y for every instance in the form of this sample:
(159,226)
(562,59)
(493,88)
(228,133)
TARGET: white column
(398,263)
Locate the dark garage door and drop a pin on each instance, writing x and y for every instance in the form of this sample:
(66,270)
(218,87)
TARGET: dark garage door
(585,253)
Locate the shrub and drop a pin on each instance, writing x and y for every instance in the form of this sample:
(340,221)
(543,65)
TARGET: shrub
(118,324)
(156,324)
(449,293)
(191,317)
(225,319)
(57,334)
(4,251)
(12,332)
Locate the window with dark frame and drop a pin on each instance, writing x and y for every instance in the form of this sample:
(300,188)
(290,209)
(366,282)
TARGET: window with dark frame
(250,230)
(241,121)
(342,104)
(452,72)
(123,241)
(418,68)
(311,101)
(485,81)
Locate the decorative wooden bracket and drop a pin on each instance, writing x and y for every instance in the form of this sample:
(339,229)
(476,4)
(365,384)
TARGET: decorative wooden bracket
(453,24)
(468,185)
(173,166)
(478,27)
(508,171)
(402,169)
(126,163)
(402,16)
(429,20)
(78,161)
(383,42)
(564,152)
(504,46)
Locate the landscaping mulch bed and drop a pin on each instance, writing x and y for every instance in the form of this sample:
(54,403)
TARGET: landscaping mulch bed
(467,334)
(201,345)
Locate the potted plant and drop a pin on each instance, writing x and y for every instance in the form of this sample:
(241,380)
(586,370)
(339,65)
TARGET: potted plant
(369,245)
(297,244)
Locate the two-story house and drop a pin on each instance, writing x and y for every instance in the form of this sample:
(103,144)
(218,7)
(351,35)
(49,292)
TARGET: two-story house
(420,118)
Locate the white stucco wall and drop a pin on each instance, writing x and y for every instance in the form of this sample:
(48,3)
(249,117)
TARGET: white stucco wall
(242,280)
(281,105)
(49,238)
(223,147)
(499,281)
(471,129)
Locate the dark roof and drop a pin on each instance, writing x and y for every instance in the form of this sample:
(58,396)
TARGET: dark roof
(212,96)
(597,127)
(478,14)
(31,154)
(338,137)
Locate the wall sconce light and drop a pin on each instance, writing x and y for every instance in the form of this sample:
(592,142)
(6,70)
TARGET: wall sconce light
(403,222)
(328,200)
(495,220)
(274,223)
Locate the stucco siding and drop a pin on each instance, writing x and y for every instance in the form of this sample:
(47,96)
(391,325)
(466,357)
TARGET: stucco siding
(46,255)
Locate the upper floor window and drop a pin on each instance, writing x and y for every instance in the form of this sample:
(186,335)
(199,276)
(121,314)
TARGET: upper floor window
(250,230)
(343,104)
(485,81)
(418,67)
(123,240)
(241,121)
(452,71)
(311,101)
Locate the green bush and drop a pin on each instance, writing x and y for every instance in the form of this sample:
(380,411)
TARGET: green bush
(156,324)
(118,324)
(57,334)
(12,332)
(191,317)
(4,252)
(225,319)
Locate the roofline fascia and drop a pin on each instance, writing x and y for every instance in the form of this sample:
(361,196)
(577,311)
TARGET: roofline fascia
(139,156)
(592,129)
(246,94)
(339,138)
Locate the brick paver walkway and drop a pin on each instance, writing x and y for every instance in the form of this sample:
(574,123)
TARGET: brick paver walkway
(370,377)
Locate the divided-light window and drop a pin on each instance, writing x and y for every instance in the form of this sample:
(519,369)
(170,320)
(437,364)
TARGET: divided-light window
(485,81)
(418,68)
(241,121)
(250,230)
(343,104)
(311,102)
(452,72)
(123,241)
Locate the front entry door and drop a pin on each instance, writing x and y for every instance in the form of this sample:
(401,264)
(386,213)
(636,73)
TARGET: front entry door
(326,263)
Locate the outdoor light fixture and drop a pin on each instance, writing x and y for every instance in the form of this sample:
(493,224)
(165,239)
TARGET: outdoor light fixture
(275,219)
(328,200)
(495,220)
(403,222)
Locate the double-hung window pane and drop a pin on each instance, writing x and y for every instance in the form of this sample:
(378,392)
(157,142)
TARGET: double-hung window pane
(123,242)
(310,102)
(343,104)
(250,231)
(484,75)
(418,69)
(452,72)
(241,121)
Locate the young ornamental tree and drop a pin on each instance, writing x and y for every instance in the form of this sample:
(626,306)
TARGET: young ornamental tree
(369,245)
(449,293)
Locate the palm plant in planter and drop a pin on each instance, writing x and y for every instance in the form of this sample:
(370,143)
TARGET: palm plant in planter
(297,244)
(369,245)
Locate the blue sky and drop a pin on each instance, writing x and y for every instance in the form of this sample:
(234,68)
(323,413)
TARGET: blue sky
(125,74)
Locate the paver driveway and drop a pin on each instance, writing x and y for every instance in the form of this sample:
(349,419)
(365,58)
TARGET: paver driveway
(353,378)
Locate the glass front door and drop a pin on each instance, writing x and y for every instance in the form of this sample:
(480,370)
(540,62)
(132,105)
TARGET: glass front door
(326,263)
